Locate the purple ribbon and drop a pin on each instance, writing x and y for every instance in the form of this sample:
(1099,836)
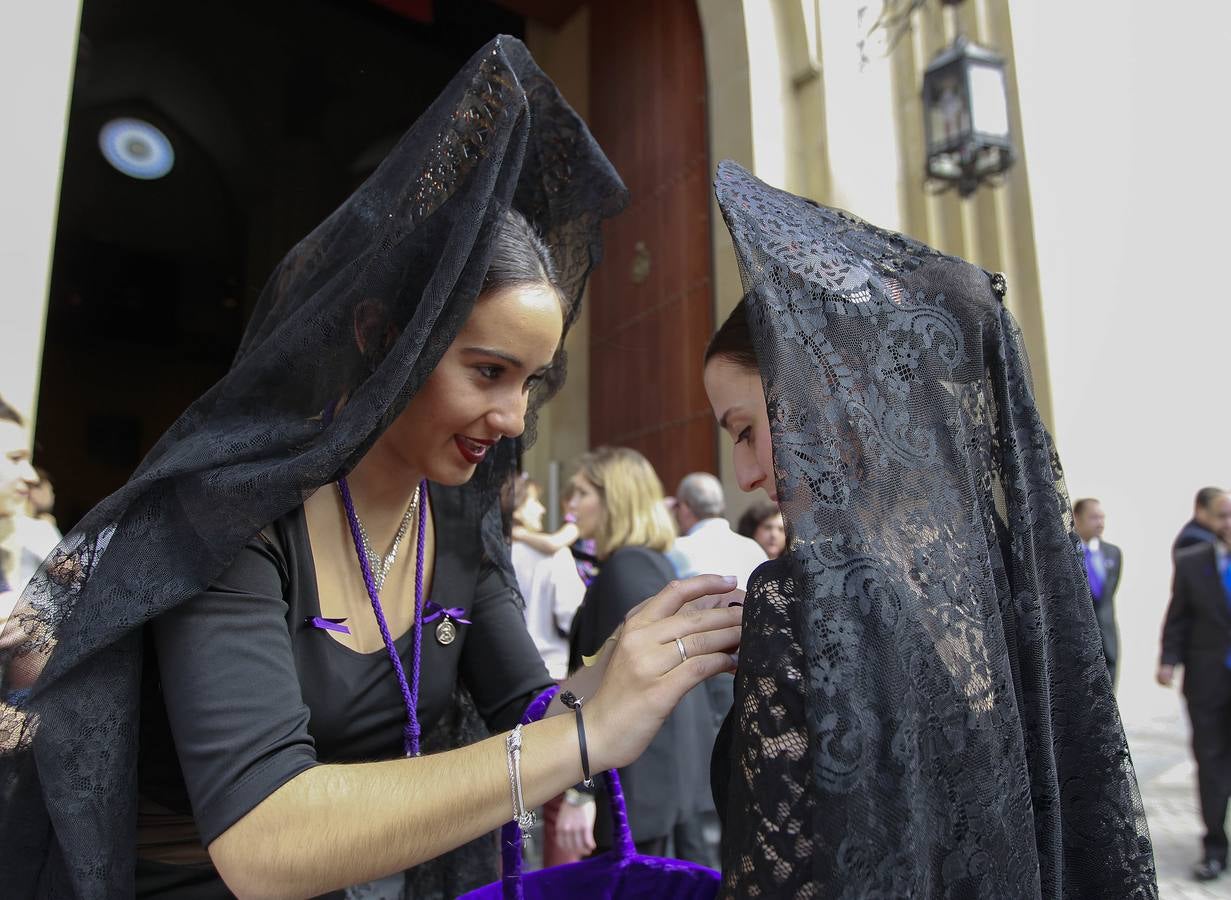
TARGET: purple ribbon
(434,611)
(328,624)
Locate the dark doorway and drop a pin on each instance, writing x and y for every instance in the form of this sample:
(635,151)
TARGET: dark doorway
(275,110)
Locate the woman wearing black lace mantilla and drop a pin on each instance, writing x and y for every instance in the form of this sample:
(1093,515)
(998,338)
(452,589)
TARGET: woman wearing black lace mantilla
(228,661)
(921,708)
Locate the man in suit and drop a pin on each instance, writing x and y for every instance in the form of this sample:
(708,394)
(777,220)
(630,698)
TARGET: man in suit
(1200,528)
(1197,636)
(1103,563)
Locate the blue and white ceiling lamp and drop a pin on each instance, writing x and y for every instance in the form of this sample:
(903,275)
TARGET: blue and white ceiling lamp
(136,148)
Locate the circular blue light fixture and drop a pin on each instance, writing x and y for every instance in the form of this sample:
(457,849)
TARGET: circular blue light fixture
(136,148)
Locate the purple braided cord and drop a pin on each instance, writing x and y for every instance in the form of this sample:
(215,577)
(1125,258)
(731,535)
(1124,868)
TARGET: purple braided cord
(621,833)
(410,693)
(538,706)
(413,701)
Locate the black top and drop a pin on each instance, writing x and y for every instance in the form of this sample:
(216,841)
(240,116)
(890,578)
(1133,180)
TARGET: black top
(669,783)
(256,694)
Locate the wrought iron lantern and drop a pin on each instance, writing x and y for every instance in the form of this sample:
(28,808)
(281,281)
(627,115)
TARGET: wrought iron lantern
(966,117)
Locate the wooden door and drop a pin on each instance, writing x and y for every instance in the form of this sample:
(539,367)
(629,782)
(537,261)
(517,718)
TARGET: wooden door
(651,300)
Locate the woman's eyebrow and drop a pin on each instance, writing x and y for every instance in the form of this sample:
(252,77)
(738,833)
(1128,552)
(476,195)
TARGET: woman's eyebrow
(507,357)
(499,354)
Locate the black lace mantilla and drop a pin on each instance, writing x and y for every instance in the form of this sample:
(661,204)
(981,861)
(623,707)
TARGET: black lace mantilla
(922,708)
(345,332)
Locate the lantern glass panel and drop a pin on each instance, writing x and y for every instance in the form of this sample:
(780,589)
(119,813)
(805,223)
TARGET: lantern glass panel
(948,110)
(989,106)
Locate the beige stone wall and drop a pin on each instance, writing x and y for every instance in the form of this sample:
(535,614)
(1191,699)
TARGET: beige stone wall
(995,227)
(38,49)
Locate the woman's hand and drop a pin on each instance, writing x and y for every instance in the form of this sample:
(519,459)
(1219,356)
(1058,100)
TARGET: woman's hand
(575,827)
(645,675)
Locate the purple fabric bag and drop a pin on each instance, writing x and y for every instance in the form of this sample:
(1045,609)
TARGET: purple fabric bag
(619,874)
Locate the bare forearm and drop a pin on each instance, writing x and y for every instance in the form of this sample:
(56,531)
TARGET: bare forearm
(338,825)
(546,543)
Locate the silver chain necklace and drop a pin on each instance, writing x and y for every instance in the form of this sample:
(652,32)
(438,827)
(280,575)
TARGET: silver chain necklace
(381,565)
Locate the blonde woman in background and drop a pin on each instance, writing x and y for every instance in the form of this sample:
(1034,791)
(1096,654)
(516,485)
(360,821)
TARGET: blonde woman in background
(617,499)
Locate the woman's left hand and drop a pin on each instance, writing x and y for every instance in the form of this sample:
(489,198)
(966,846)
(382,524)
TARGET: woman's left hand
(598,662)
(666,646)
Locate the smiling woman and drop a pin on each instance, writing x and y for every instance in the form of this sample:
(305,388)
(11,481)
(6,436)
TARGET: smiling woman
(305,583)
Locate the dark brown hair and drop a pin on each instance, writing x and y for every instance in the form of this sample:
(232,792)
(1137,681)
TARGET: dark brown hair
(1206,496)
(754,515)
(1082,504)
(733,341)
(520,257)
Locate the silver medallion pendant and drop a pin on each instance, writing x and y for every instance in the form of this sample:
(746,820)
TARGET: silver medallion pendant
(446,632)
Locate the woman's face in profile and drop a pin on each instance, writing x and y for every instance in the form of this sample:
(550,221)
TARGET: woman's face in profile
(739,406)
(585,505)
(479,391)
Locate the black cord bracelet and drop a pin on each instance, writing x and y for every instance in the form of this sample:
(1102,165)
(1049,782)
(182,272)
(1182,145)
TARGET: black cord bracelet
(573,702)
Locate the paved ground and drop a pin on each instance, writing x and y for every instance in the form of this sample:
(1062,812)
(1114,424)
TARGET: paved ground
(1159,744)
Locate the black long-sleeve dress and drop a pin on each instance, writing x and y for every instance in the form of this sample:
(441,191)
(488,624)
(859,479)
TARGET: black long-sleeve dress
(241,692)
(669,783)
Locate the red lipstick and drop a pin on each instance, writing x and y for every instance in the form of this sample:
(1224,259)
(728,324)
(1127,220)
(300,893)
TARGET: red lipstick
(472,450)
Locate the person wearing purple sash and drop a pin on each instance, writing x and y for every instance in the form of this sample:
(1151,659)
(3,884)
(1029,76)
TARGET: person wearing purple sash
(1103,564)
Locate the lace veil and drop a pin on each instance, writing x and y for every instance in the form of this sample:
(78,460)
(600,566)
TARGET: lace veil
(922,709)
(346,330)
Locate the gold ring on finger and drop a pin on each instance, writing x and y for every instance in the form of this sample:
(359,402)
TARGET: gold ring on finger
(679,645)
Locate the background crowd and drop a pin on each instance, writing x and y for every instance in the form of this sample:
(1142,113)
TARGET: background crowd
(623,540)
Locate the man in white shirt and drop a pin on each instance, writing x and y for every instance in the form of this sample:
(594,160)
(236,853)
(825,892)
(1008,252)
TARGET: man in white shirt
(707,545)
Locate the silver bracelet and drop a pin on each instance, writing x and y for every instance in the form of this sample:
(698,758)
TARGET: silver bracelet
(524,818)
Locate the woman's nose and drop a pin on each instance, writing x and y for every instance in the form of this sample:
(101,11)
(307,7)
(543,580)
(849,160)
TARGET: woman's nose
(749,475)
(510,418)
